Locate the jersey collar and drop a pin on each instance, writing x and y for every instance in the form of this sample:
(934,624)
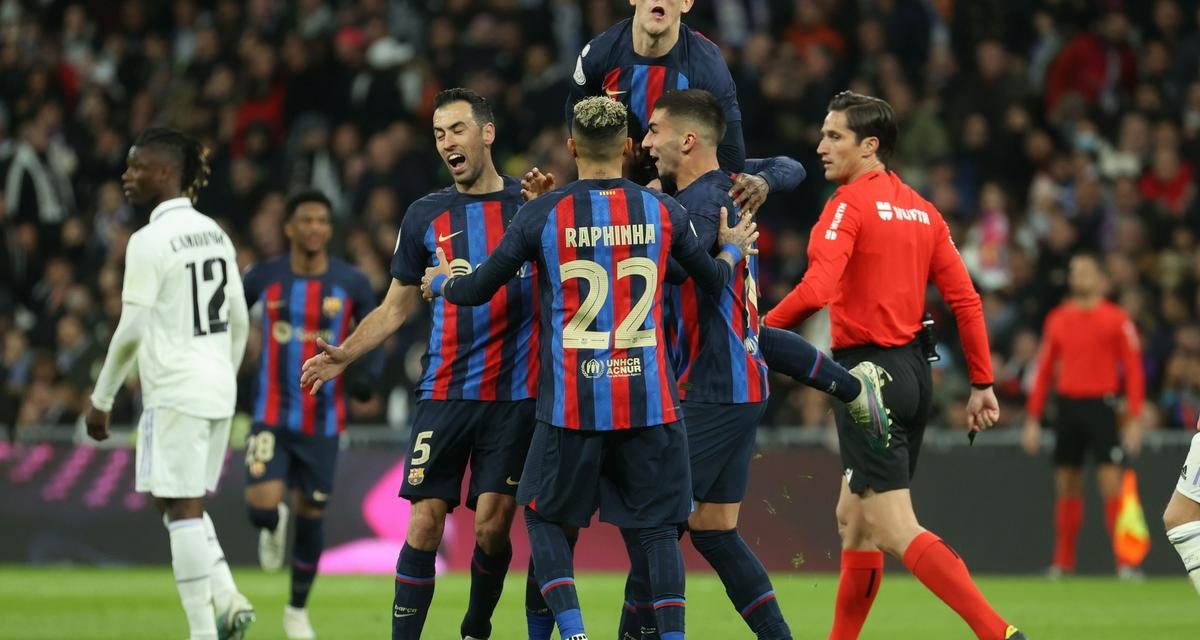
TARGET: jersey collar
(170,205)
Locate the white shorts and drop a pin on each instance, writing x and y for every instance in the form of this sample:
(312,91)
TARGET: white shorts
(179,456)
(1189,477)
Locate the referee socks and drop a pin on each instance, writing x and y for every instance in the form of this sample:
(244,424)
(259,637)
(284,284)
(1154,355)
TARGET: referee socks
(794,356)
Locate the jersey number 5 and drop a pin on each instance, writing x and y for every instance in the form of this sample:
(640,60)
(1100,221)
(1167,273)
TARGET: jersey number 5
(629,333)
(216,300)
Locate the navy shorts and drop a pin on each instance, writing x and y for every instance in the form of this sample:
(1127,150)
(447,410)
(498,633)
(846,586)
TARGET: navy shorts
(907,393)
(307,463)
(721,443)
(493,437)
(636,477)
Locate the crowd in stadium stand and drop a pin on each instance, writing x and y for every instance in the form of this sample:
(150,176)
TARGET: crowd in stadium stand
(1037,128)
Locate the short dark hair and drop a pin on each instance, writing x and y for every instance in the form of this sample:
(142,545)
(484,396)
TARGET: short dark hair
(599,126)
(480,109)
(305,196)
(698,106)
(868,117)
(185,151)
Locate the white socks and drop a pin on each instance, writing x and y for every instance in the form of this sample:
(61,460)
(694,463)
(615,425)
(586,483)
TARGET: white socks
(1186,539)
(221,579)
(192,561)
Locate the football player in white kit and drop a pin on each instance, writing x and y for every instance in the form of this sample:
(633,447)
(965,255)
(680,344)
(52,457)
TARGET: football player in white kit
(1182,517)
(184,319)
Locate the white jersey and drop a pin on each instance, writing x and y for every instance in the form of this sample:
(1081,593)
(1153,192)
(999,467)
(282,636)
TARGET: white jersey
(182,266)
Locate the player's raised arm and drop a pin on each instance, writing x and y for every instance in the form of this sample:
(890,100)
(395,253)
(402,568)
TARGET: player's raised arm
(762,176)
(477,287)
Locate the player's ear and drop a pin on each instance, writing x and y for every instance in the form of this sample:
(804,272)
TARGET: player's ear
(689,142)
(628,150)
(686,6)
(571,147)
(489,133)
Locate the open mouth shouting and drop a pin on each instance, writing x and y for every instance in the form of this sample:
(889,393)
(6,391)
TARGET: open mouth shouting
(457,163)
(658,12)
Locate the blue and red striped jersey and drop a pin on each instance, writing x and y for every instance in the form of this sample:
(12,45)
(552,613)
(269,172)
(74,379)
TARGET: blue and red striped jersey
(602,248)
(609,66)
(474,353)
(714,339)
(295,311)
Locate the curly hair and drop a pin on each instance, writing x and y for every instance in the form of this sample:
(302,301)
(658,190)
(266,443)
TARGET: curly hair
(599,126)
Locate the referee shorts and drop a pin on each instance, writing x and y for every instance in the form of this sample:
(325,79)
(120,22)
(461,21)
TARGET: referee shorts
(907,394)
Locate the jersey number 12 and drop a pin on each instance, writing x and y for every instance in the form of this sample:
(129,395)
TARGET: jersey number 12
(216,300)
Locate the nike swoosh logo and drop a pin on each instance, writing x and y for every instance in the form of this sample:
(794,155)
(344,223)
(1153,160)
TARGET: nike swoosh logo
(510,482)
(442,238)
(612,94)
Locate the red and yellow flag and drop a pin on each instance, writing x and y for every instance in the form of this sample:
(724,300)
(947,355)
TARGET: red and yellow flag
(1131,534)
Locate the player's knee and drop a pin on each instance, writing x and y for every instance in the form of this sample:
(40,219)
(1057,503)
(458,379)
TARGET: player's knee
(183,508)
(1174,517)
(491,534)
(425,528)
(263,518)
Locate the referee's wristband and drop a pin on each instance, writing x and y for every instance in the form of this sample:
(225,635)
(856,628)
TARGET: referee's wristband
(438,282)
(733,251)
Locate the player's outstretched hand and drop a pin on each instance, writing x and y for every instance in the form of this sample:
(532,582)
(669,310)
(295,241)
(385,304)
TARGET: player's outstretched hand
(97,424)
(743,235)
(536,183)
(323,367)
(1031,437)
(749,192)
(983,410)
(441,268)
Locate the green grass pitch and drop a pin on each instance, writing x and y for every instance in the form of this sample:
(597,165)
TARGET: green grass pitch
(60,603)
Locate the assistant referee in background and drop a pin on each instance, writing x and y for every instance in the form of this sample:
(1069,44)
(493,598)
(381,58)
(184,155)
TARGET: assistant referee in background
(870,257)
(1089,345)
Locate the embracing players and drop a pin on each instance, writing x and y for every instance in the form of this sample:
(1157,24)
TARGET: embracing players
(480,370)
(293,441)
(609,432)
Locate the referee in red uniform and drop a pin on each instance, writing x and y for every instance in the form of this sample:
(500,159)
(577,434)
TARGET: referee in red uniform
(871,254)
(1088,346)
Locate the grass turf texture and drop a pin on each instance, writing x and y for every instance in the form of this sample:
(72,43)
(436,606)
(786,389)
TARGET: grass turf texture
(58,603)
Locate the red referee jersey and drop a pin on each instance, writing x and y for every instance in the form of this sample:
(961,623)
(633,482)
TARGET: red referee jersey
(1090,349)
(873,251)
